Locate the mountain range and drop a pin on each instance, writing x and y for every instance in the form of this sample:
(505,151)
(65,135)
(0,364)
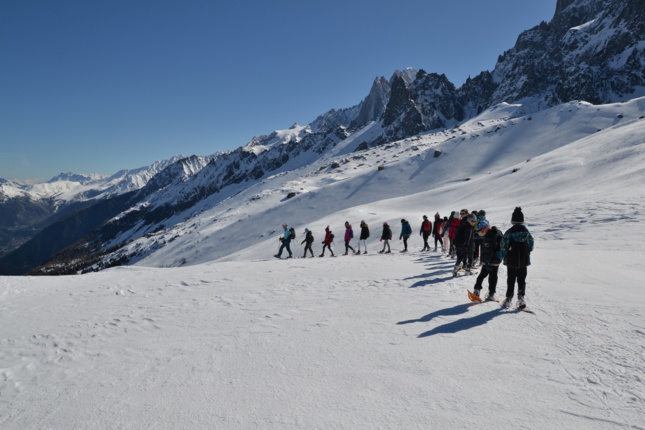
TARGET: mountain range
(591,51)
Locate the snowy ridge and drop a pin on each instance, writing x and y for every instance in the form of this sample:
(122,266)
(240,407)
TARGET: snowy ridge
(70,187)
(485,150)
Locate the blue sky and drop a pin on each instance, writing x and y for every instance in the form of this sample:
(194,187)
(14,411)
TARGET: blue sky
(100,86)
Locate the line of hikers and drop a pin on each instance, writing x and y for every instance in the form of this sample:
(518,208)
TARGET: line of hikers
(467,237)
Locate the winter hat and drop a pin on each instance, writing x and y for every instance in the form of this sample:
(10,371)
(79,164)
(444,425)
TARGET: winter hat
(472,218)
(385,223)
(481,213)
(518,216)
(306,230)
(437,215)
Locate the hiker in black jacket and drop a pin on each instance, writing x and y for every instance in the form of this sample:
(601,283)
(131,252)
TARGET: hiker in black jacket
(309,240)
(386,236)
(490,257)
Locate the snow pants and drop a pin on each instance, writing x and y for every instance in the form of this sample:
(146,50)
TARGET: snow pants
(489,272)
(439,239)
(348,247)
(518,275)
(462,257)
(326,246)
(285,244)
(364,242)
(405,244)
(426,245)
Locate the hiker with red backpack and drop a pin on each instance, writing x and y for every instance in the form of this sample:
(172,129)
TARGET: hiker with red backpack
(426,231)
(329,239)
(436,232)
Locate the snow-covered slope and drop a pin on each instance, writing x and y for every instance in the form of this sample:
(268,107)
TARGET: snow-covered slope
(370,341)
(482,159)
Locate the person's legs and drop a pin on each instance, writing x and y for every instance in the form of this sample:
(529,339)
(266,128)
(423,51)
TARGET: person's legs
(521,281)
(492,279)
(510,282)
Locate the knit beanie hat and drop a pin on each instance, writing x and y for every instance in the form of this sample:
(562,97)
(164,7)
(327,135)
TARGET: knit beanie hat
(518,216)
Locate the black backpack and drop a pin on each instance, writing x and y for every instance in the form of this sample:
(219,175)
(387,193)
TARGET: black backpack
(292,233)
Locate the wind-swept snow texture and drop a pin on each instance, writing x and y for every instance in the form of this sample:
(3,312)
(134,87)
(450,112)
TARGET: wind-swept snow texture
(370,341)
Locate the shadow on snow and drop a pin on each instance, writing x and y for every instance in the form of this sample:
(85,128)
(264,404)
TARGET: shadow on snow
(459,325)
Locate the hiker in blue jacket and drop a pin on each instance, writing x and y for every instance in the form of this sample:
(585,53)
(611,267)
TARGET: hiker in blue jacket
(286,242)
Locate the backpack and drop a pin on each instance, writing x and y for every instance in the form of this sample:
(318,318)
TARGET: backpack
(292,233)
(331,237)
(491,247)
(517,255)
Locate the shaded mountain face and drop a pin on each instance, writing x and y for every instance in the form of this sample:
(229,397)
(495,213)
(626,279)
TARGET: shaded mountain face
(592,50)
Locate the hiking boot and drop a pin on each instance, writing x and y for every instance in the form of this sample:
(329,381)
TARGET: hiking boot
(521,303)
(507,302)
(491,296)
(477,292)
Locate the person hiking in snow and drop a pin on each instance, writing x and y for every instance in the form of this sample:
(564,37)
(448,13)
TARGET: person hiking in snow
(464,241)
(453,224)
(436,232)
(285,241)
(445,229)
(470,256)
(406,232)
(490,257)
(426,231)
(329,239)
(482,222)
(309,240)
(386,236)
(349,235)
(365,233)
(516,246)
